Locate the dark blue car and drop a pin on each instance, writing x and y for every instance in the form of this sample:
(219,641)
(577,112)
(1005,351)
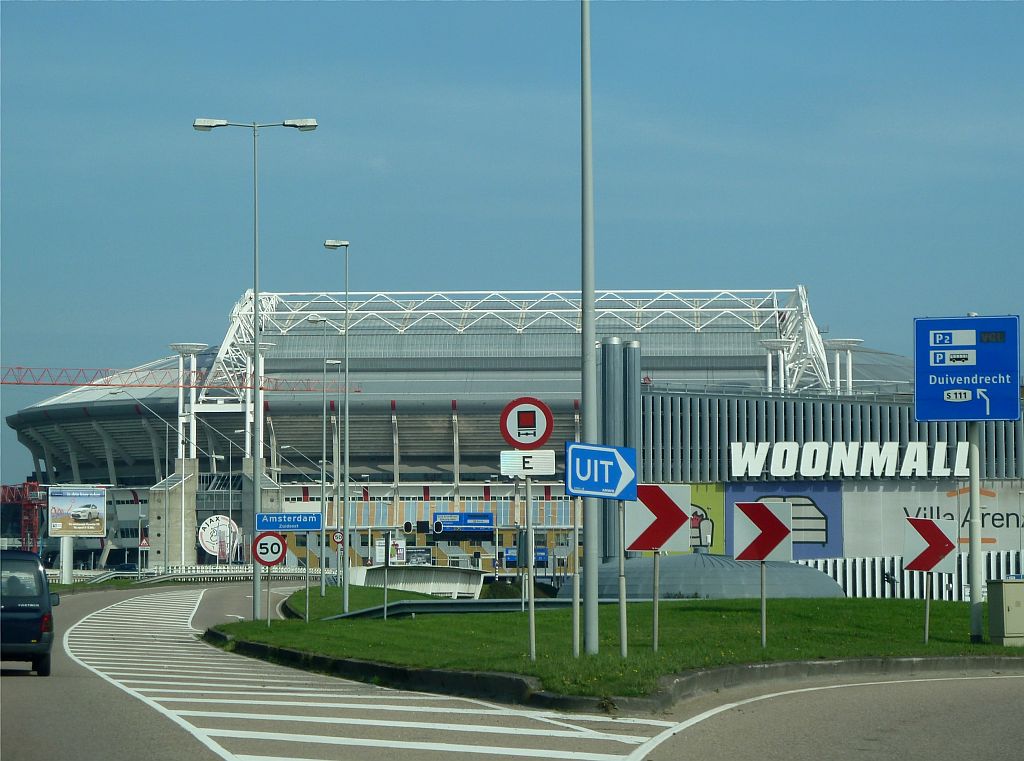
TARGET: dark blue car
(26,610)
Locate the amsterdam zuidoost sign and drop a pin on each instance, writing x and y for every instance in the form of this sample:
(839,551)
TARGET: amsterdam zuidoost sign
(967,368)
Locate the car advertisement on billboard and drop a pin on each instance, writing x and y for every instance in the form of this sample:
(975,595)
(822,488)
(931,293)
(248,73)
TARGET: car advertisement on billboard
(77,511)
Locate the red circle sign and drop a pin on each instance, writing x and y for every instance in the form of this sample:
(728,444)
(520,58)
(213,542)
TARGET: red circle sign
(526,423)
(338,537)
(269,548)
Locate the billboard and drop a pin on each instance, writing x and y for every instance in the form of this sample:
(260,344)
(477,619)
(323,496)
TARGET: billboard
(220,536)
(77,511)
(817,512)
(875,515)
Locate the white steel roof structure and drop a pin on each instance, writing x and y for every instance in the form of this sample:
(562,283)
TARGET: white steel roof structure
(469,324)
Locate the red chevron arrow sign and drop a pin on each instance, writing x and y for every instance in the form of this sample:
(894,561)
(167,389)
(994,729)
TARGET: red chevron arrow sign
(657,519)
(929,544)
(762,532)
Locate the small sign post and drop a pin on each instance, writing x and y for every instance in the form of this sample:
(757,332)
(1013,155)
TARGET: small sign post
(928,546)
(268,549)
(762,532)
(526,424)
(657,522)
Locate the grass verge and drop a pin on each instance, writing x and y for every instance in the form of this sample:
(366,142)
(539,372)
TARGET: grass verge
(693,634)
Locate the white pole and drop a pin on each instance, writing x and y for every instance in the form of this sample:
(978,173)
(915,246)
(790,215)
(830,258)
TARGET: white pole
(976,573)
(192,405)
(182,548)
(257,394)
(387,564)
(344,567)
(588,336)
(657,558)
(67,547)
(623,645)
(764,609)
(321,552)
(181,406)
(576,577)
(927,603)
(530,567)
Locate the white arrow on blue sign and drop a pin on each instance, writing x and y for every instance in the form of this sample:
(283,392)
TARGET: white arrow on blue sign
(592,470)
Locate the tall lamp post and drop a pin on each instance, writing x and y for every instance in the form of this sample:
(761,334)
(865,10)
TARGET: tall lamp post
(303,125)
(334,245)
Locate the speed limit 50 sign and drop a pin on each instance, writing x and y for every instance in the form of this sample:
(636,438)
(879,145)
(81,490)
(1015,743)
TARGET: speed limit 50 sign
(269,548)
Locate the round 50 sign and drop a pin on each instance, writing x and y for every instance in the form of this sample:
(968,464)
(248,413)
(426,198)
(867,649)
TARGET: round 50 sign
(269,548)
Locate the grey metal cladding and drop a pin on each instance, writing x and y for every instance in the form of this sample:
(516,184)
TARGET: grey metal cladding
(687,435)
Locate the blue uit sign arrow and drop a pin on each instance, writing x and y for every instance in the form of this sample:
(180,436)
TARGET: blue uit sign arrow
(288,521)
(967,368)
(592,470)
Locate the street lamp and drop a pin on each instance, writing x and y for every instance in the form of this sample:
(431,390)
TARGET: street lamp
(333,245)
(303,125)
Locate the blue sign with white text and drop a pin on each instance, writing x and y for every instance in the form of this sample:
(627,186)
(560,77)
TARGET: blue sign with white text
(288,521)
(465,521)
(967,368)
(592,470)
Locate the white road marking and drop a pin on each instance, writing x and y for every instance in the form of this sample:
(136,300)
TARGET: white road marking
(490,750)
(640,753)
(148,648)
(481,728)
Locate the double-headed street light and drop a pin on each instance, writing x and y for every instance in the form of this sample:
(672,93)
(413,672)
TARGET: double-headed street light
(334,245)
(303,125)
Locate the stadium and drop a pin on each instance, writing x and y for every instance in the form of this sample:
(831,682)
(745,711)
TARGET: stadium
(739,394)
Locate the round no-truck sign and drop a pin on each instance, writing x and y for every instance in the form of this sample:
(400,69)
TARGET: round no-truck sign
(526,423)
(269,548)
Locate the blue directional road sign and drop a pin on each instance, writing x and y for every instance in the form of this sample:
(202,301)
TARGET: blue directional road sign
(967,368)
(288,521)
(592,470)
(465,521)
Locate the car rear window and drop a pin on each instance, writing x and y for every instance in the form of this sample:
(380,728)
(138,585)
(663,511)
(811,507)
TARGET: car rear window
(19,578)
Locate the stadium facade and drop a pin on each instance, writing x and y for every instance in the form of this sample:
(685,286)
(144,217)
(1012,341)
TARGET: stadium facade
(740,397)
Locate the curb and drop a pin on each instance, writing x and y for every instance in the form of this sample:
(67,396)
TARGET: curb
(524,690)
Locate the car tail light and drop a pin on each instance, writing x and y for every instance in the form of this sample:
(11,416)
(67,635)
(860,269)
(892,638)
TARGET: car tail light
(46,624)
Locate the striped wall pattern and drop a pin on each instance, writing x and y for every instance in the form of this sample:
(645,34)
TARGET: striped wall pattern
(885,578)
(686,436)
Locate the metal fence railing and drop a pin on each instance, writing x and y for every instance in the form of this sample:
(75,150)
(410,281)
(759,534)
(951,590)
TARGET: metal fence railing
(884,577)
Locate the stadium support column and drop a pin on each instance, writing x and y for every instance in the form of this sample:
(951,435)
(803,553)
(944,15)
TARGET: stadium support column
(612,427)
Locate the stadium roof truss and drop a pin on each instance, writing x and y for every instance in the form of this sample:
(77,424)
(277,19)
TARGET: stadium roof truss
(782,316)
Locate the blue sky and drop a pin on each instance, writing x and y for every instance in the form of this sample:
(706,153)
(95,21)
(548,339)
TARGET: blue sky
(872,152)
